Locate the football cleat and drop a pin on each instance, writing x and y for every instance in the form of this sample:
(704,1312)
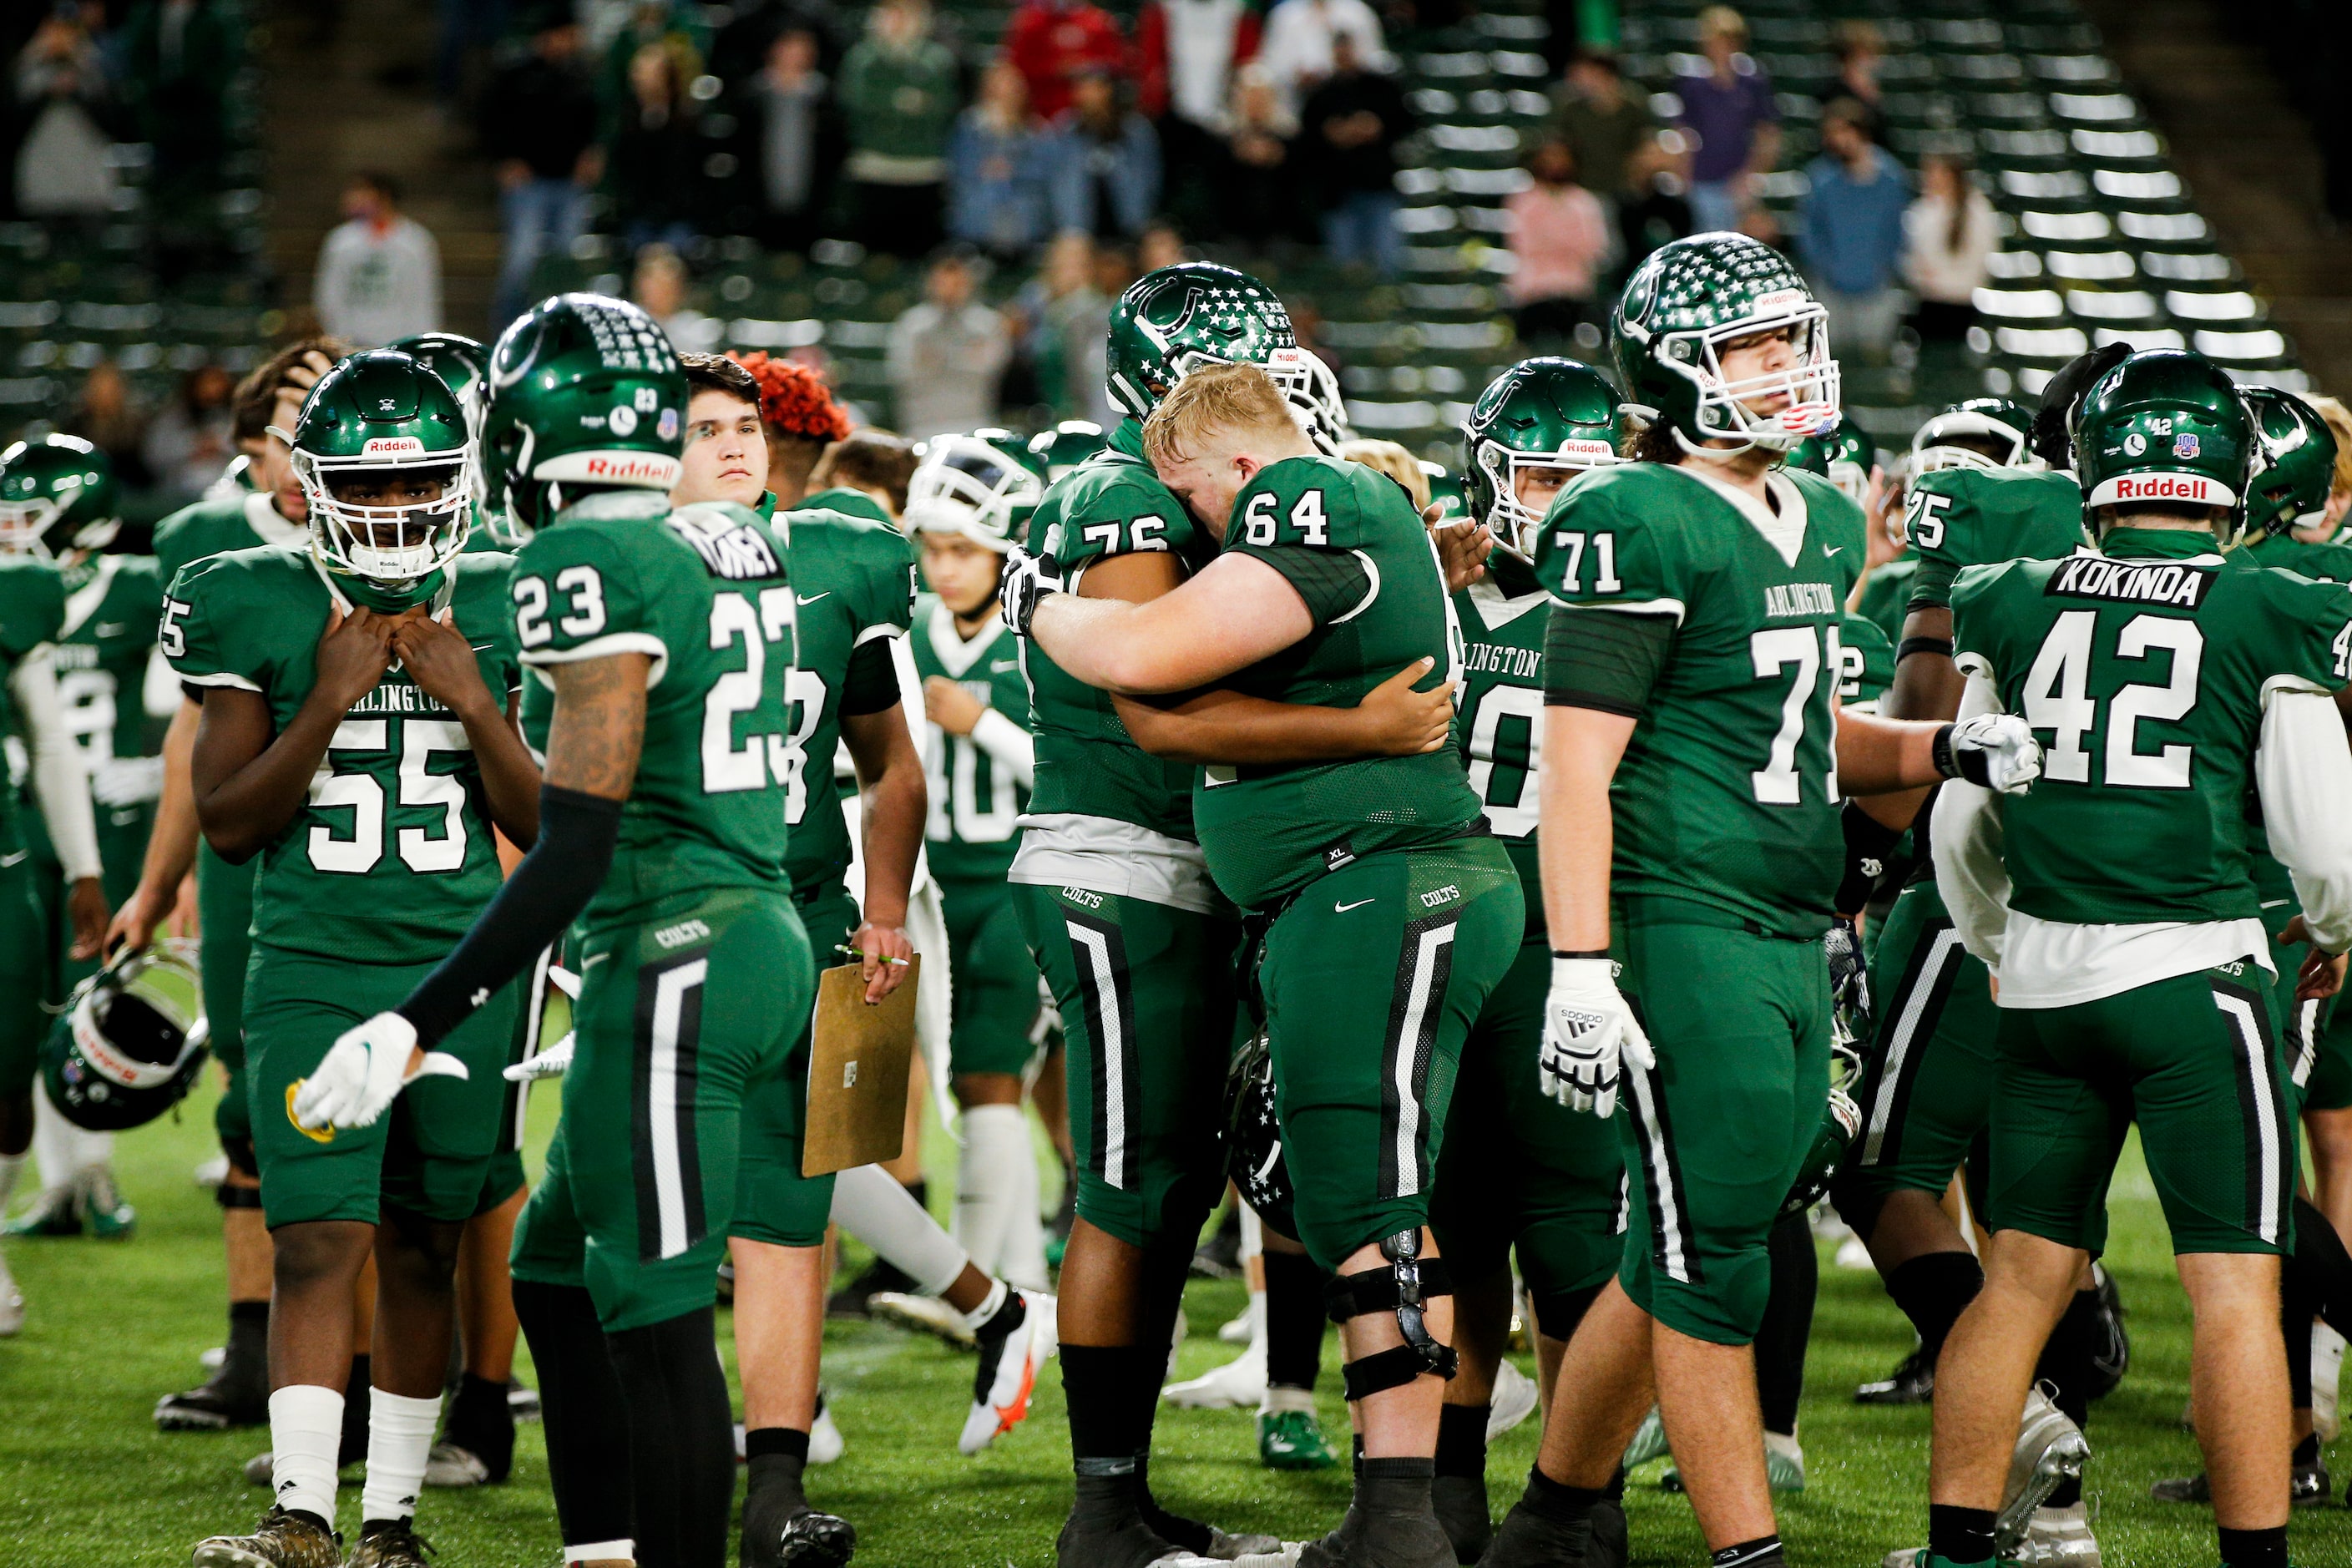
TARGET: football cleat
(1238,1329)
(1649,1441)
(388,1543)
(825,1442)
(851,1299)
(1515,1399)
(1133,1544)
(1240,1384)
(1293,1440)
(2059,1538)
(1913,1382)
(1013,1345)
(522,1399)
(224,1400)
(1784,1463)
(449,1465)
(12,1304)
(2326,1374)
(924,1314)
(110,1218)
(1920,1557)
(281,1540)
(52,1214)
(2308,1486)
(814,1540)
(2050,1451)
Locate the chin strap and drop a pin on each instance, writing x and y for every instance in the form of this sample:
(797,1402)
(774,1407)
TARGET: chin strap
(1404,1287)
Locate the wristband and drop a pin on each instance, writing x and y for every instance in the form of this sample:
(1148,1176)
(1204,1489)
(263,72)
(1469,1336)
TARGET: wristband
(1940,750)
(1585,953)
(1910,645)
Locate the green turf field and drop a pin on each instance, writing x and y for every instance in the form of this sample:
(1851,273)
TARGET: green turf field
(86,1481)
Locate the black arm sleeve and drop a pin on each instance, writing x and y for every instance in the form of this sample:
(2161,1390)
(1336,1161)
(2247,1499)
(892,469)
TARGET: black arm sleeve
(1606,659)
(872,683)
(538,903)
(1869,857)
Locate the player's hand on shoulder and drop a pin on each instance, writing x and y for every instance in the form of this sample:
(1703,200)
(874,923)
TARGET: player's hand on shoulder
(353,653)
(949,706)
(1590,1031)
(440,659)
(1997,750)
(1028,581)
(1402,722)
(364,1070)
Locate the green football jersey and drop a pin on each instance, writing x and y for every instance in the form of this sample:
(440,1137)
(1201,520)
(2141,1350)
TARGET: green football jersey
(1347,538)
(1088,765)
(2329,563)
(704,592)
(393,854)
(975,802)
(2142,670)
(210,527)
(113,604)
(1727,795)
(1957,517)
(1866,663)
(1886,594)
(1498,719)
(854,581)
(32,612)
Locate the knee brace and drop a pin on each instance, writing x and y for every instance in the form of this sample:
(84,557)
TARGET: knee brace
(1404,1287)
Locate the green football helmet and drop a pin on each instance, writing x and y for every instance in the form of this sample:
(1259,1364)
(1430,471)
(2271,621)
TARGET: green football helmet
(1180,317)
(460,360)
(1977,432)
(56,493)
(1056,451)
(585,392)
(1844,456)
(1550,415)
(983,486)
(1690,299)
(376,415)
(1446,493)
(130,1043)
(1325,406)
(2294,466)
(2166,428)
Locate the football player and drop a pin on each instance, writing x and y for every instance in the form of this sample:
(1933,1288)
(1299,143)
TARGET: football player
(271,513)
(1693,754)
(970,496)
(1390,914)
(2134,988)
(666,637)
(358,738)
(799,418)
(1520,1169)
(58,500)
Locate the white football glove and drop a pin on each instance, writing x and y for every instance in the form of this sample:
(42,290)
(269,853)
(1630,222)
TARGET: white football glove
(1995,750)
(1587,1027)
(552,1062)
(1027,580)
(364,1071)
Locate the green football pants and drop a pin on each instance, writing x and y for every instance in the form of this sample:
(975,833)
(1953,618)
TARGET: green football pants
(1147,996)
(773,1202)
(23,961)
(2195,1061)
(1372,976)
(225,912)
(994,1000)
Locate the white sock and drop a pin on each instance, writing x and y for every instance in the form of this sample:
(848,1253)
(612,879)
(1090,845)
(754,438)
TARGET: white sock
(9,1165)
(870,1203)
(400,1439)
(978,1316)
(995,1146)
(1253,1247)
(306,1432)
(1022,1264)
(621,1551)
(53,1150)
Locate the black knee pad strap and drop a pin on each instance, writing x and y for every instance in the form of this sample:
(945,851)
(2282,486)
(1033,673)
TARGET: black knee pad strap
(1406,1287)
(230,1196)
(1395,1368)
(241,1157)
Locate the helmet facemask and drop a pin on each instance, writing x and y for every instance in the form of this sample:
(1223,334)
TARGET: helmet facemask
(965,486)
(1811,385)
(1937,447)
(1511,521)
(389,545)
(23,525)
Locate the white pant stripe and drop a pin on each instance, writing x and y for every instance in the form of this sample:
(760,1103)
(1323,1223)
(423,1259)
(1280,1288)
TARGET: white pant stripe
(1416,1010)
(1110,1051)
(1664,1194)
(2271,1174)
(661,1103)
(1942,953)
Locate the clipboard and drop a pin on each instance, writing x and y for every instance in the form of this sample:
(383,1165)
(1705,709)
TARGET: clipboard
(857,1072)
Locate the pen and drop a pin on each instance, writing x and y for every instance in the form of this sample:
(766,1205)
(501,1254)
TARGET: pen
(848,952)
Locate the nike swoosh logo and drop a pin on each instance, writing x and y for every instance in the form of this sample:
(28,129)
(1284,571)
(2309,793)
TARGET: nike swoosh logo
(811,598)
(595,960)
(1359,903)
(1831,548)
(6,860)
(1000,668)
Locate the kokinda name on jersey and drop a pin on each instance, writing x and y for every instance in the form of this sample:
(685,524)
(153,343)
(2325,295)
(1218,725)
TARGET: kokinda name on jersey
(2136,581)
(738,551)
(1801,599)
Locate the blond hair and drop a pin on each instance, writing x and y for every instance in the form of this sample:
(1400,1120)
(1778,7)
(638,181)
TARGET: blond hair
(2339,420)
(1722,20)
(1217,397)
(1393,460)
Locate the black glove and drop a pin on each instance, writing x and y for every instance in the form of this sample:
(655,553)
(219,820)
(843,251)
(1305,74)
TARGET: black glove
(1027,580)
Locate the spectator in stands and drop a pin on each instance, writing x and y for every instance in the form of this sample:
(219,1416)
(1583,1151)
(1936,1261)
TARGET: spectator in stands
(800,418)
(108,418)
(1049,318)
(378,274)
(1050,42)
(1728,113)
(1353,119)
(1560,243)
(1186,52)
(1601,123)
(653,165)
(177,60)
(1260,183)
(947,355)
(1102,162)
(1849,231)
(660,286)
(61,94)
(1654,208)
(1162,245)
(999,169)
(741,49)
(1860,49)
(797,143)
(1297,51)
(1948,236)
(898,99)
(647,24)
(192,439)
(540,129)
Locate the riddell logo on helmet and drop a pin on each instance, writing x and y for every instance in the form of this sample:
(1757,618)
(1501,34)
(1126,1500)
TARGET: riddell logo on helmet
(2166,487)
(1778,298)
(391,446)
(625,470)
